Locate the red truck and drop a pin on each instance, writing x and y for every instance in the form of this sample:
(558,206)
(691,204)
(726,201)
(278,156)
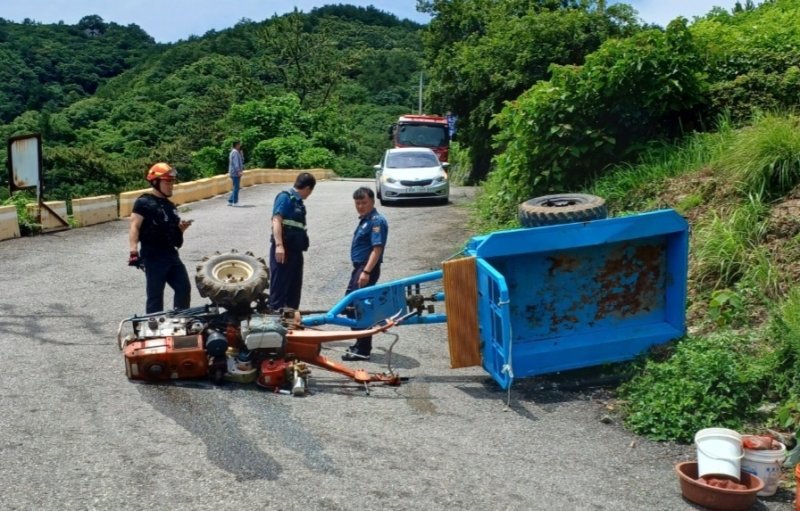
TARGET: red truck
(422,131)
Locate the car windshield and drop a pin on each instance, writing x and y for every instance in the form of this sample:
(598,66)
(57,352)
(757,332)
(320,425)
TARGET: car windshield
(411,160)
(422,135)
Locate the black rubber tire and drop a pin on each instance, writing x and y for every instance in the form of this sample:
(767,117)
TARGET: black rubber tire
(561,209)
(378,191)
(233,279)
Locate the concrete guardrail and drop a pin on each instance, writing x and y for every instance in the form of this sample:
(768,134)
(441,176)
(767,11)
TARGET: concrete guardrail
(104,208)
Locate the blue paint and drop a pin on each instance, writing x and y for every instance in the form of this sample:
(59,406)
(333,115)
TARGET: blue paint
(558,297)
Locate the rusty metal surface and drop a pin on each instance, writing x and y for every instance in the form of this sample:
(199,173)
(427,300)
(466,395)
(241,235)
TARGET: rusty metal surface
(580,294)
(25,160)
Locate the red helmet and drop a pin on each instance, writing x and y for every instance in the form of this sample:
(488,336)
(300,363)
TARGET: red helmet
(161,171)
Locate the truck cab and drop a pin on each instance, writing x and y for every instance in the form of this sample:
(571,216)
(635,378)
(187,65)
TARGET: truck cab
(429,131)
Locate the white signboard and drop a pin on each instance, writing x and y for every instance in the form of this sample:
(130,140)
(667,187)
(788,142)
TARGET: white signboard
(24,161)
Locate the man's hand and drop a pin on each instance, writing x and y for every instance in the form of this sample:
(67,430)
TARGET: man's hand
(133,259)
(280,254)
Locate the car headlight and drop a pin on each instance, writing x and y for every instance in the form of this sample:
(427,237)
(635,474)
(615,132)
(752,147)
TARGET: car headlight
(440,179)
(387,179)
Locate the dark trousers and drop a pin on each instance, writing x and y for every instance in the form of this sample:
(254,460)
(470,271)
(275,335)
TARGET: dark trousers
(285,280)
(160,271)
(364,345)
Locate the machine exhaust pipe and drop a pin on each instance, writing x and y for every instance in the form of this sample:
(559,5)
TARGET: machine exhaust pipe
(299,385)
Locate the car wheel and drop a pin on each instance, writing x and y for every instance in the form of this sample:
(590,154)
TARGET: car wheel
(378,191)
(233,279)
(443,201)
(561,209)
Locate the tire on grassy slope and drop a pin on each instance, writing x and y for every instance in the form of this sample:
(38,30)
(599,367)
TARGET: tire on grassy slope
(233,279)
(561,209)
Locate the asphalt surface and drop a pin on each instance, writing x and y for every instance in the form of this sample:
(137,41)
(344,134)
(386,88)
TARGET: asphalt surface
(75,434)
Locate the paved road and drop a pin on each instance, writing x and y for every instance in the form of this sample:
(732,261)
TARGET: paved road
(75,434)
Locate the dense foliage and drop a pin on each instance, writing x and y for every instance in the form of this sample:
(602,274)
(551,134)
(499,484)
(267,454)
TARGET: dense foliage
(45,67)
(652,86)
(300,90)
(482,53)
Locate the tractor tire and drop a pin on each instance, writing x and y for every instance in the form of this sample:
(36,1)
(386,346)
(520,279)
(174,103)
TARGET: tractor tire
(232,280)
(561,209)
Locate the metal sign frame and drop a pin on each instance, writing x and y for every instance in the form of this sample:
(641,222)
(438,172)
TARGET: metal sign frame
(22,175)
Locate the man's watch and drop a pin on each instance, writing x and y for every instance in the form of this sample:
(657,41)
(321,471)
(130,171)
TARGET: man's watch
(365,271)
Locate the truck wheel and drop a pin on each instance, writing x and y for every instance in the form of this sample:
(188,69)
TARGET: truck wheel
(561,209)
(232,279)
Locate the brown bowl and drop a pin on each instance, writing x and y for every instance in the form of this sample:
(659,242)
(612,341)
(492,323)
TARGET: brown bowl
(721,499)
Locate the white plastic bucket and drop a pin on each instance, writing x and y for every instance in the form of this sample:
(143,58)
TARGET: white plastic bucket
(766,464)
(719,452)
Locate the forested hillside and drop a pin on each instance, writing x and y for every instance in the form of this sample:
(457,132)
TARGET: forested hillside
(300,90)
(46,67)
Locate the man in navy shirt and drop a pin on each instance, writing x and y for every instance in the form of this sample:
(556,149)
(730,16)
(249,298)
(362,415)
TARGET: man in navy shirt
(288,242)
(366,254)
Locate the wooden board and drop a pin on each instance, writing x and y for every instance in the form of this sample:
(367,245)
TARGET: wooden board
(461,304)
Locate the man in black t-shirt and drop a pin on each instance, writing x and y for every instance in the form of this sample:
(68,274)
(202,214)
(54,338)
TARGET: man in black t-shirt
(155,225)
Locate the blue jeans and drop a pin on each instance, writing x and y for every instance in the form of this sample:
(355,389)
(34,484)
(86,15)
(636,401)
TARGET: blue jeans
(234,198)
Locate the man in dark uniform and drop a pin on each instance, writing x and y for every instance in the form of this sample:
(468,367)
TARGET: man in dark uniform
(156,225)
(366,254)
(288,242)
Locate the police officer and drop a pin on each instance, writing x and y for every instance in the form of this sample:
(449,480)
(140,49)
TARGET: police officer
(366,254)
(155,225)
(288,242)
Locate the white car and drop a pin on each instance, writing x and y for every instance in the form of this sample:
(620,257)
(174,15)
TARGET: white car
(410,173)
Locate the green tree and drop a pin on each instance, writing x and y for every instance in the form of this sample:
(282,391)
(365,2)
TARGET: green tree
(482,53)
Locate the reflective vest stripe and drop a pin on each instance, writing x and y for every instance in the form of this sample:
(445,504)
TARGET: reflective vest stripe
(293,223)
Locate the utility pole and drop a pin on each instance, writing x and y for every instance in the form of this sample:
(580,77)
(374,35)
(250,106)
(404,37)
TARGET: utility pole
(419,109)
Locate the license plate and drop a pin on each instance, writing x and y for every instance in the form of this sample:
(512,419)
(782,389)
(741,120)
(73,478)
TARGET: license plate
(419,189)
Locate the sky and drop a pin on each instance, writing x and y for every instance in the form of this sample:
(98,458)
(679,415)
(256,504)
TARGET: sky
(172,20)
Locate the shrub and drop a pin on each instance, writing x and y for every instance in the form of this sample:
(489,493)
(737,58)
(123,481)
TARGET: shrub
(210,161)
(27,223)
(315,157)
(564,131)
(279,152)
(716,381)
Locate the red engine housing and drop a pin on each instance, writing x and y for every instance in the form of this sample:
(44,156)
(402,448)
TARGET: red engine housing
(166,358)
(273,373)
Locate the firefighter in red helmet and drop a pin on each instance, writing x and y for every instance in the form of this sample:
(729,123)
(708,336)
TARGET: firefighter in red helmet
(155,235)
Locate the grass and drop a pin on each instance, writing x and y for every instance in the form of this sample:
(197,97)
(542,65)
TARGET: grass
(765,157)
(632,187)
(728,243)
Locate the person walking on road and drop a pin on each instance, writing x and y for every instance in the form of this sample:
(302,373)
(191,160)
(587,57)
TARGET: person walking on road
(235,170)
(155,225)
(288,241)
(366,254)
